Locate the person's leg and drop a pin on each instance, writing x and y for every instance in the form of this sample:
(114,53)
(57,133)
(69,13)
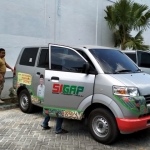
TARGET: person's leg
(45,122)
(59,129)
(1,88)
(59,122)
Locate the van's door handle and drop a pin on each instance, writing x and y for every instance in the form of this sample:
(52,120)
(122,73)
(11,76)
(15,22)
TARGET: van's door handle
(38,73)
(54,78)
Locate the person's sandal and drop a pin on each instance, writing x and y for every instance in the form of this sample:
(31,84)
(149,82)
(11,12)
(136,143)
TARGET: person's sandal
(45,128)
(63,131)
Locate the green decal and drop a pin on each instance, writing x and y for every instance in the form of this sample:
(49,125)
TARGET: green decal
(79,89)
(136,105)
(63,113)
(66,89)
(72,90)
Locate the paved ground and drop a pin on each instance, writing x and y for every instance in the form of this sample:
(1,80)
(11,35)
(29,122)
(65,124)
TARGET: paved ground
(19,131)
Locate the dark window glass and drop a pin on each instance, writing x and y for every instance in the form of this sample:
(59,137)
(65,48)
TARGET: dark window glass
(29,56)
(64,59)
(44,59)
(143,59)
(113,61)
(132,56)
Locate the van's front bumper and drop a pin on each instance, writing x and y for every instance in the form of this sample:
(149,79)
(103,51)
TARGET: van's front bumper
(132,125)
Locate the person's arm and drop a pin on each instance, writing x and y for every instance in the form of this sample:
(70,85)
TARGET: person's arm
(9,67)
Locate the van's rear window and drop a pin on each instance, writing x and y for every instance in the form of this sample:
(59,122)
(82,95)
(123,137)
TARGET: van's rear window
(29,56)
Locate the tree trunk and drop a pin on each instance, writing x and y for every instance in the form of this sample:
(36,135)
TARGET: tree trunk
(122,46)
(124,39)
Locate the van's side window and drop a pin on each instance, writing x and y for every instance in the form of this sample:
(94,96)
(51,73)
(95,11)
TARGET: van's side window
(143,59)
(44,58)
(64,59)
(29,56)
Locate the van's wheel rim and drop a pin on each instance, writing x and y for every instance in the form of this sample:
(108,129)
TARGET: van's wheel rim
(24,101)
(100,126)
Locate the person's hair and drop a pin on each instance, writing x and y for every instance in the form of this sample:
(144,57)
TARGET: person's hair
(41,76)
(1,49)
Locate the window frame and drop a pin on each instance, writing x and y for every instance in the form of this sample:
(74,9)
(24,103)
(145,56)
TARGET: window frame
(91,63)
(70,48)
(39,54)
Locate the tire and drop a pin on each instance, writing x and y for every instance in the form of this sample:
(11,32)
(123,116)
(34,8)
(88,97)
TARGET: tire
(102,126)
(25,102)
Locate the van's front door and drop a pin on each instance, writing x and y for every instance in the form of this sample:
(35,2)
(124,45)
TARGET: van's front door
(65,84)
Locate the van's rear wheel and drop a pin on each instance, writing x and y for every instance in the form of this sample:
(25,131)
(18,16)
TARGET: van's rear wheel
(103,126)
(25,102)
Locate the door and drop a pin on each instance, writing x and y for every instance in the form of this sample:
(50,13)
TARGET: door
(143,60)
(39,76)
(66,85)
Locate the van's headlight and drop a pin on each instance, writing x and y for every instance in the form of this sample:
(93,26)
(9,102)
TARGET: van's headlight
(125,91)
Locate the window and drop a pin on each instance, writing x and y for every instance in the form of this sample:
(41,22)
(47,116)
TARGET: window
(64,59)
(44,59)
(143,59)
(29,56)
(132,56)
(113,61)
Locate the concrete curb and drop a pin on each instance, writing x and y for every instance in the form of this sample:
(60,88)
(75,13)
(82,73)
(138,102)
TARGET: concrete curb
(9,104)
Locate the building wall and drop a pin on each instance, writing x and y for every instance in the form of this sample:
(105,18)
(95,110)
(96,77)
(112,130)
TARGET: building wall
(39,22)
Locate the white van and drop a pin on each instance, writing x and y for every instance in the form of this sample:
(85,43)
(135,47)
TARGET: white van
(99,84)
(141,58)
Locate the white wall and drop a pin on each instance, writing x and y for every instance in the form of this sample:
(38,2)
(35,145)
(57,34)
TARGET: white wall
(39,22)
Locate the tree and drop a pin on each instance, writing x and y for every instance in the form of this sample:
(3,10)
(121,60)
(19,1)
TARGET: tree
(124,17)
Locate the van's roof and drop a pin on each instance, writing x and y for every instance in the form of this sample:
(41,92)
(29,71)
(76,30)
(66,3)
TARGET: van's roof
(87,47)
(129,51)
(74,46)
(91,46)
(134,51)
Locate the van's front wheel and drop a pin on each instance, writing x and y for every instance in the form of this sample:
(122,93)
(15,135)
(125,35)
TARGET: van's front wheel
(102,126)
(25,101)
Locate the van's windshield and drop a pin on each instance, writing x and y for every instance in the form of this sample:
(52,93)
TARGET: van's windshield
(114,61)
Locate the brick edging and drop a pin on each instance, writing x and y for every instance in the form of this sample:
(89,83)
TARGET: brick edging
(8,106)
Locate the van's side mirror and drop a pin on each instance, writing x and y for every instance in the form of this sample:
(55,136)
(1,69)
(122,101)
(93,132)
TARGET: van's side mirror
(86,68)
